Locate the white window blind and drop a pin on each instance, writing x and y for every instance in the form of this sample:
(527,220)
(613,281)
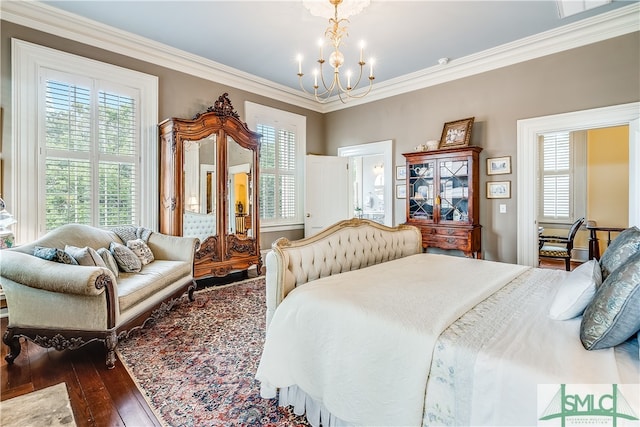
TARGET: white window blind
(277,174)
(282,149)
(90,155)
(555,177)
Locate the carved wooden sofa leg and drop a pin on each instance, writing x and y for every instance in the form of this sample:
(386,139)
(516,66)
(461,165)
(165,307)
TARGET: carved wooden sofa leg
(110,343)
(191,289)
(13,342)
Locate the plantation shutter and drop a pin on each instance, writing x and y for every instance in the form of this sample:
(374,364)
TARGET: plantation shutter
(555,177)
(90,154)
(278,178)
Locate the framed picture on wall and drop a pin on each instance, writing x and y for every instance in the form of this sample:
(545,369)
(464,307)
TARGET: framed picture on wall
(401,191)
(499,165)
(456,134)
(499,190)
(401,172)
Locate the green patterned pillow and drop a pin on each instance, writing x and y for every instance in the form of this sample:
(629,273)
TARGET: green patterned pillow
(622,247)
(613,315)
(54,254)
(127,261)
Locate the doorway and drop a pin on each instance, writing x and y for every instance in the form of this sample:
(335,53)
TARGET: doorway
(371,180)
(527,163)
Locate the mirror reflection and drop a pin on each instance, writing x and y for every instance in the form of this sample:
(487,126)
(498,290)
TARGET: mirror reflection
(200,188)
(240,166)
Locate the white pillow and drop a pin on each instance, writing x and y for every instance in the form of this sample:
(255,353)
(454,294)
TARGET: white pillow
(85,256)
(576,291)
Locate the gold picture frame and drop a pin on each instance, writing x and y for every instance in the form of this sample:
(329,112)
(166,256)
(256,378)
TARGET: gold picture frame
(456,134)
(499,165)
(499,190)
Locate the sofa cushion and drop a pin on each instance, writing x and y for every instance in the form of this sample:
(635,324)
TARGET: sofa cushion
(109,261)
(127,261)
(142,251)
(54,254)
(85,256)
(136,287)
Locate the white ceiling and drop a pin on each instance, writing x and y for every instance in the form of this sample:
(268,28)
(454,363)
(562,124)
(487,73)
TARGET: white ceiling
(263,38)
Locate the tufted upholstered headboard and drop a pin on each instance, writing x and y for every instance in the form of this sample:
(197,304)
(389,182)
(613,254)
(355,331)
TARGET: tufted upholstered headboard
(199,225)
(345,246)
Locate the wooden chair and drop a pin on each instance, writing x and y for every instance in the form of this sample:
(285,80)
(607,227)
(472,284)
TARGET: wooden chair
(560,247)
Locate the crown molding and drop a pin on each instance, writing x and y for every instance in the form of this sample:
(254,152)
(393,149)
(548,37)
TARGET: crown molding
(621,21)
(43,17)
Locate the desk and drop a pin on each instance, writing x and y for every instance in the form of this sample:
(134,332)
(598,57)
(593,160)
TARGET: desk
(594,243)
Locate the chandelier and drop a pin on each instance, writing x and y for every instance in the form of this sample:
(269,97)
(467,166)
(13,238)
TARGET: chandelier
(325,88)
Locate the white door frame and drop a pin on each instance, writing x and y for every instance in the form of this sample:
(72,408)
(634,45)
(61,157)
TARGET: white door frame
(527,163)
(385,148)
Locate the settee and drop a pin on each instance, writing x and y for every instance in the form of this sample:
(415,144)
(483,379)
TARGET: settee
(345,246)
(62,306)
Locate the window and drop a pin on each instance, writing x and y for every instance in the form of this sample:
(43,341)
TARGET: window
(94,142)
(90,169)
(282,149)
(562,161)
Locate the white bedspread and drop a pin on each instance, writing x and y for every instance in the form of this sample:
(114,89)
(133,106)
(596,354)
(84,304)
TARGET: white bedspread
(488,365)
(361,342)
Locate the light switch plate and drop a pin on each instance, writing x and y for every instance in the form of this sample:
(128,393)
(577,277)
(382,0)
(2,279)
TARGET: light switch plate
(503,208)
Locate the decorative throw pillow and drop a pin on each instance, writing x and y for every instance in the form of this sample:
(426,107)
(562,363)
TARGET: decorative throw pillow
(612,316)
(576,291)
(142,251)
(109,260)
(621,248)
(85,256)
(54,254)
(127,261)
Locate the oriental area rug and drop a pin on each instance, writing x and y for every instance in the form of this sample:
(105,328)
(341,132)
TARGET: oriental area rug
(196,365)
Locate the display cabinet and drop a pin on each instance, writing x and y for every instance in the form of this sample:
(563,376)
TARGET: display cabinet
(208,188)
(443,198)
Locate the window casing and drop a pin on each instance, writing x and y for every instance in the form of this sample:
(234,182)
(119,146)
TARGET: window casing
(93,142)
(281,179)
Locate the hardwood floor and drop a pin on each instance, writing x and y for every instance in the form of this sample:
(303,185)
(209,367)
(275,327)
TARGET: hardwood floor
(557,264)
(99,396)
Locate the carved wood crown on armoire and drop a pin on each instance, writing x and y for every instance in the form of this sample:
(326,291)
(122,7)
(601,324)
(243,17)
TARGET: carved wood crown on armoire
(209,188)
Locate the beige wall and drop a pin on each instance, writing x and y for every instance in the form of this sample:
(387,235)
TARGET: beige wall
(597,75)
(608,176)
(601,74)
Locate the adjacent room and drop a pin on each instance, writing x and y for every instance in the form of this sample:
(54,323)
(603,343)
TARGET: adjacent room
(319,212)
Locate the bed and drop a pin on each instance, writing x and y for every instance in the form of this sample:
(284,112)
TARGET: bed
(428,339)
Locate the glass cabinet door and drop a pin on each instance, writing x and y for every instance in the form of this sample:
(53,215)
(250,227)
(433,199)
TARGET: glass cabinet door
(421,190)
(454,190)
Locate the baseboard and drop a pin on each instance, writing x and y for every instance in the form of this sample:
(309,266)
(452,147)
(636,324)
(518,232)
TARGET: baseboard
(580,254)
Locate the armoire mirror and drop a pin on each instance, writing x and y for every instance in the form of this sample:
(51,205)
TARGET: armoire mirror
(207,183)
